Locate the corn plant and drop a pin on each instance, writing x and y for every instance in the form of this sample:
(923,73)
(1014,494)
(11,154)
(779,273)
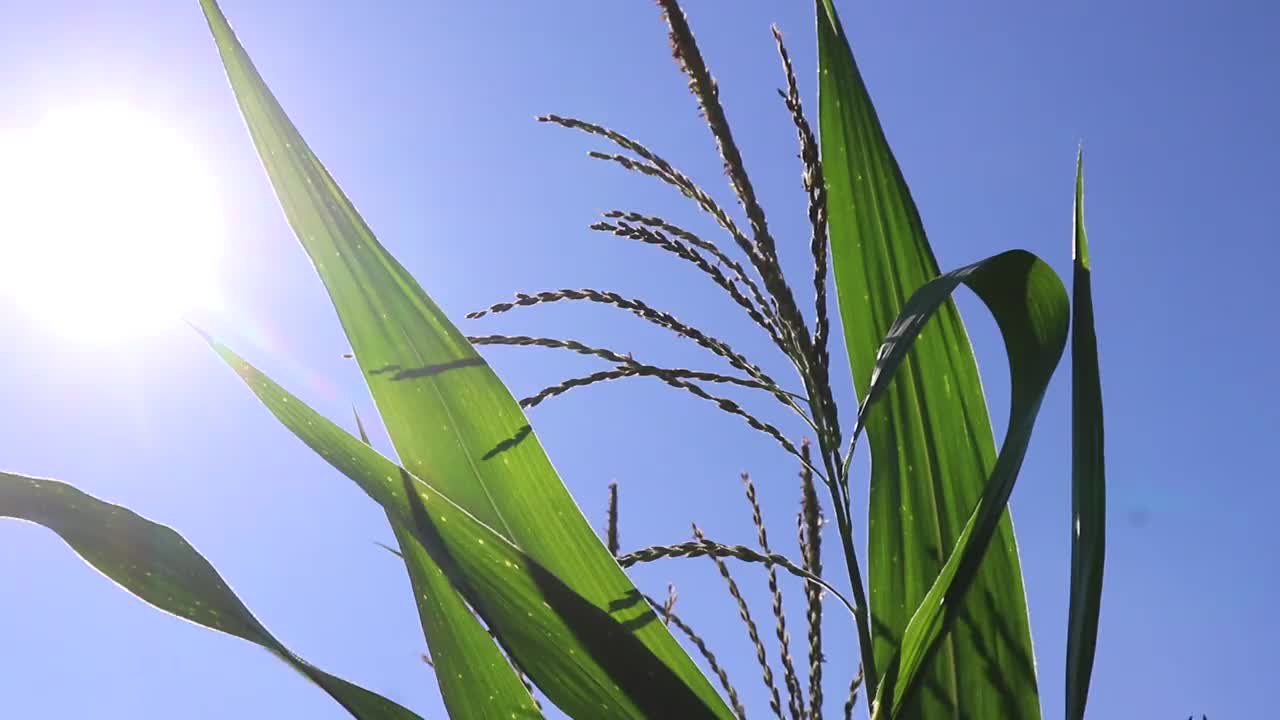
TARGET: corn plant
(514,590)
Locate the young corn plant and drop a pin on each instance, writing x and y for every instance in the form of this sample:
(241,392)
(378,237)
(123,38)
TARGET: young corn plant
(511,600)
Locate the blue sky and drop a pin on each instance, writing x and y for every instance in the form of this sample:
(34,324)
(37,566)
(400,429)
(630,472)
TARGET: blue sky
(424,112)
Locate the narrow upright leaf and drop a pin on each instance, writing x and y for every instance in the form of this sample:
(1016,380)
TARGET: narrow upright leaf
(1031,308)
(586,655)
(449,416)
(158,566)
(932,448)
(1088,474)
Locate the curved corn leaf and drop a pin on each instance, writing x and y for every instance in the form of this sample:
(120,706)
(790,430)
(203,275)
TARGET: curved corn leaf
(587,655)
(931,441)
(449,416)
(1088,474)
(159,566)
(1031,308)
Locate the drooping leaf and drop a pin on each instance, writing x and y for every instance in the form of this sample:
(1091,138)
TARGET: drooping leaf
(1088,473)
(1031,308)
(932,448)
(159,566)
(449,416)
(587,655)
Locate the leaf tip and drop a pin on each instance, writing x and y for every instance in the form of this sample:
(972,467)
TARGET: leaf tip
(1080,240)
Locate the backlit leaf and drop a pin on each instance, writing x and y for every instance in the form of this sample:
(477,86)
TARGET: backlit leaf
(476,681)
(450,418)
(587,655)
(159,566)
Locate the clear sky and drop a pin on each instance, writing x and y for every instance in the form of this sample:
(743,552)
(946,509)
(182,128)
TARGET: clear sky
(424,112)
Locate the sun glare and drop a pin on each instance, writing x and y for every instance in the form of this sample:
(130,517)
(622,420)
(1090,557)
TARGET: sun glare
(111,229)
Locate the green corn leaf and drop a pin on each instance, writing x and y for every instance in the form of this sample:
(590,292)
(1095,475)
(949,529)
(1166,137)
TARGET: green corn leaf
(475,679)
(931,442)
(587,654)
(1031,308)
(1088,474)
(470,669)
(449,416)
(159,566)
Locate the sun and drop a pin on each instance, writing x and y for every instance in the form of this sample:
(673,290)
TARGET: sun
(111,228)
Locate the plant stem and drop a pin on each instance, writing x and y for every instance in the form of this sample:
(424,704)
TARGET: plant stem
(863,617)
(829,447)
